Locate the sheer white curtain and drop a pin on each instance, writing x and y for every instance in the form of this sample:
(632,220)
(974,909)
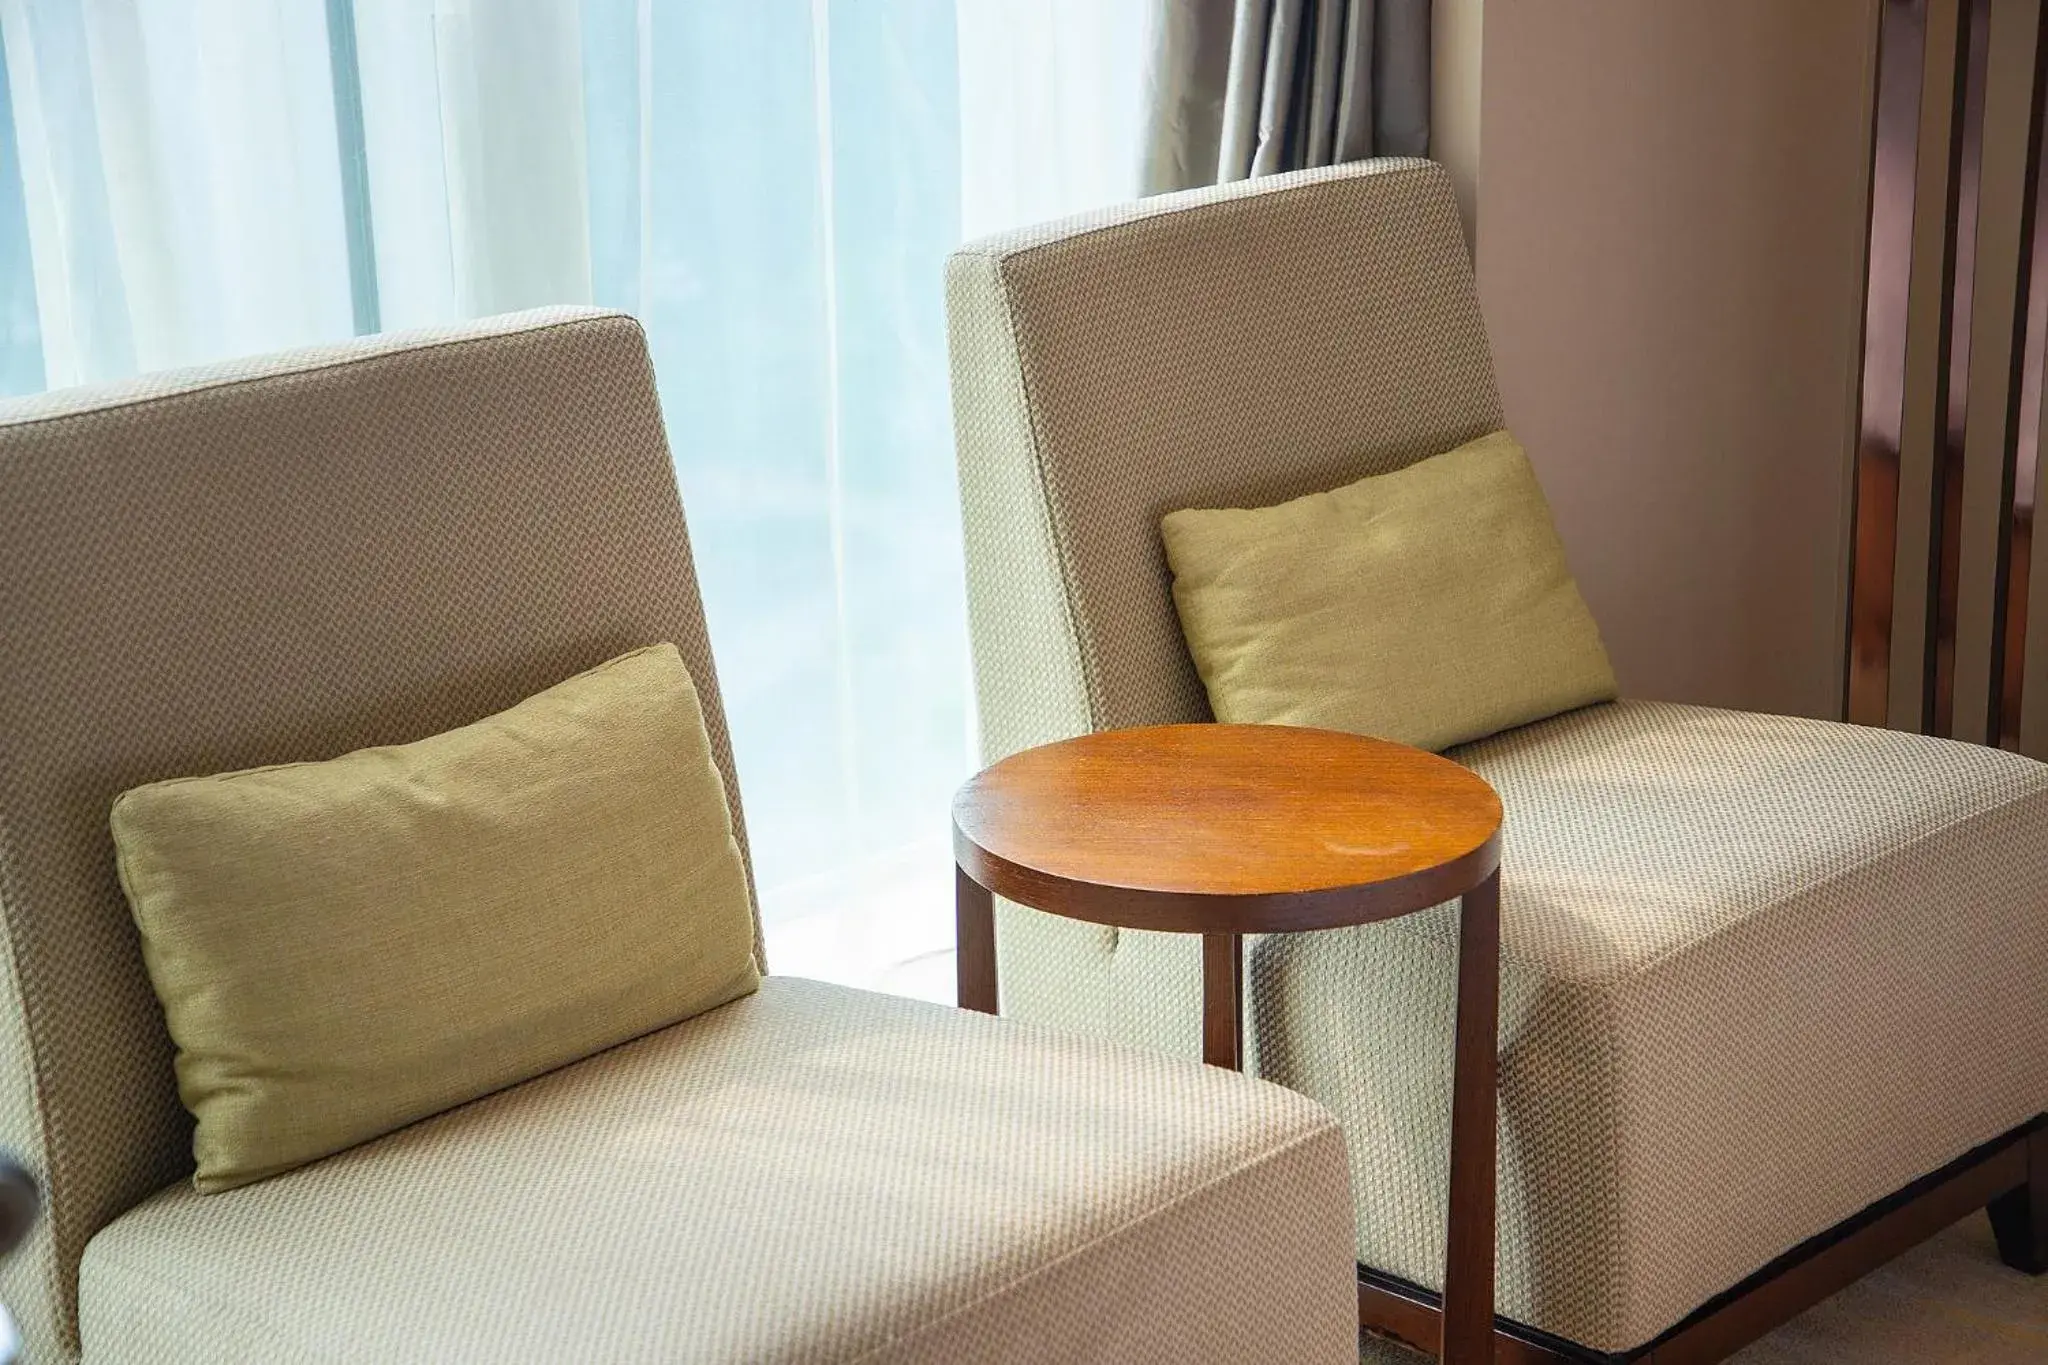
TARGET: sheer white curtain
(771,186)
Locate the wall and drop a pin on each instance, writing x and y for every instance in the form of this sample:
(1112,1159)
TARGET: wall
(1670,252)
(1457,38)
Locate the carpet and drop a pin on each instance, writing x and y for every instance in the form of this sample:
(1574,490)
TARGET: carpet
(1947,1302)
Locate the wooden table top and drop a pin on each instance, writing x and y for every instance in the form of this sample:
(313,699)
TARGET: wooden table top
(1227,828)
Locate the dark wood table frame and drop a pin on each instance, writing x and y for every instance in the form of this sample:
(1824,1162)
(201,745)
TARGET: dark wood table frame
(1031,829)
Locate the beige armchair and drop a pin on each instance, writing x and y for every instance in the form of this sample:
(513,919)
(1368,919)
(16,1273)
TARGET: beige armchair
(298,556)
(1765,982)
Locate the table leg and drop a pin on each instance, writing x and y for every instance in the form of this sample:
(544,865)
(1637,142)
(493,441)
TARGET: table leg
(974,948)
(1222,1005)
(1468,1262)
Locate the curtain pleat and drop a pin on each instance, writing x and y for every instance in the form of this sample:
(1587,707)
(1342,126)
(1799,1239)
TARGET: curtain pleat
(1249,87)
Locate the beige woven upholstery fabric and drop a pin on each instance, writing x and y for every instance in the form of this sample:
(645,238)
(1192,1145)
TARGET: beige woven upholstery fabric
(766,1183)
(1233,346)
(263,562)
(1757,972)
(1227,347)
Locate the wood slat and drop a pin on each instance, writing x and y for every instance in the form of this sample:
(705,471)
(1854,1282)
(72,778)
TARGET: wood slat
(2033,726)
(1887,268)
(1924,408)
(2004,257)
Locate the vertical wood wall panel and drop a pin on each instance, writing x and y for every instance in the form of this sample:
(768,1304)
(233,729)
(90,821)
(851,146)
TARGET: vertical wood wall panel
(2033,726)
(1888,254)
(1924,412)
(1963,392)
(2004,255)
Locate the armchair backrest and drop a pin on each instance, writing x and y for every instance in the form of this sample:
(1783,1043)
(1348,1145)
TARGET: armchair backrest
(1226,347)
(266,561)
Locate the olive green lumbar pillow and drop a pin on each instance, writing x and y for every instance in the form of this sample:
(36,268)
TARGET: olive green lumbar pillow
(1431,605)
(342,948)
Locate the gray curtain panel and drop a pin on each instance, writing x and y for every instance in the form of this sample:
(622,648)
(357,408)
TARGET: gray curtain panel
(1249,87)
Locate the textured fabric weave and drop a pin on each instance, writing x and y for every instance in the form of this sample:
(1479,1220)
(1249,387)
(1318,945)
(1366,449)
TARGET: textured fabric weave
(1235,346)
(810,1174)
(1742,955)
(1430,606)
(256,563)
(343,947)
(1757,973)
(1232,347)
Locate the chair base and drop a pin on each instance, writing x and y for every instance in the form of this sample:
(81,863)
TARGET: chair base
(2007,1176)
(2019,1217)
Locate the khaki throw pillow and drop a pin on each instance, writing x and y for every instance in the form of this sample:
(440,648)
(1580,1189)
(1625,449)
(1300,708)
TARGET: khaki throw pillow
(342,948)
(1430,606)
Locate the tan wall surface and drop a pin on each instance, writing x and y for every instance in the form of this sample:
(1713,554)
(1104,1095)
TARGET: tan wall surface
(1457,45)
(1672,223)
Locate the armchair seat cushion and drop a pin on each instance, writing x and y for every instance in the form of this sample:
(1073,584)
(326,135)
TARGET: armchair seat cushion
(1757,973)
(807,1174)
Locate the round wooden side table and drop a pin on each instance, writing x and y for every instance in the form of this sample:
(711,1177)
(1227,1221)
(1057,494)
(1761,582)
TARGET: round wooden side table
(1228,830)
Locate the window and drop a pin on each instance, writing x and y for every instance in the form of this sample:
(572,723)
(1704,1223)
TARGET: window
(771,187)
